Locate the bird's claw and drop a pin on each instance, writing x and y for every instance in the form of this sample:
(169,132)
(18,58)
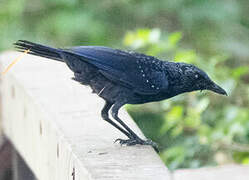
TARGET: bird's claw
(135,141)
(128,142)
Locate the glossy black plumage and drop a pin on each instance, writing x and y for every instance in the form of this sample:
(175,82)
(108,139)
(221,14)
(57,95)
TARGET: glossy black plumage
(123,77)
(145,74)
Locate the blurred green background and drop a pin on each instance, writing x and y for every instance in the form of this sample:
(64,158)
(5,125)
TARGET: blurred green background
(194,129)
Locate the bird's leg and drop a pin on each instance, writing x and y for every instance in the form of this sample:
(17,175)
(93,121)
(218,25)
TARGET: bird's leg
(104,114)
(135,139)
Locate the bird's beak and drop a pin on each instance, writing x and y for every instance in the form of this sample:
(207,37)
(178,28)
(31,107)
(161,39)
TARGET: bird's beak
(215,88)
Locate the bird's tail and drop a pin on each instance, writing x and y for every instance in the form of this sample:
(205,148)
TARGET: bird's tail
(38,50)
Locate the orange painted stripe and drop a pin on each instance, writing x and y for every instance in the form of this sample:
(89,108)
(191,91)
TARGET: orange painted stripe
(15,61)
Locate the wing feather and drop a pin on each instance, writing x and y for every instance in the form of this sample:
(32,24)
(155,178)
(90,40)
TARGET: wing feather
(143,74)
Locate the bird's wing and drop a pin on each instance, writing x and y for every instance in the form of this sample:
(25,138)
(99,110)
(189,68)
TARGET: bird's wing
(139,72)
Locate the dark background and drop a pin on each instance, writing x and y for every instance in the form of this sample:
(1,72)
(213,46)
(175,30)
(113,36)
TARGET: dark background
(194,129)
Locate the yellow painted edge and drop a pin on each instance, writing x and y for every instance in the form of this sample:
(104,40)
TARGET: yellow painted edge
(15,61)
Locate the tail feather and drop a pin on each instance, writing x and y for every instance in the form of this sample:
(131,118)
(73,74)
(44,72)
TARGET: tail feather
(38,50)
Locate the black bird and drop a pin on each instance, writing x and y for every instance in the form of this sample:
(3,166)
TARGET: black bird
(125,77)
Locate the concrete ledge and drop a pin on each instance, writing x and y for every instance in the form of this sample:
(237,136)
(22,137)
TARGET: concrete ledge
(227,172)
(55,125)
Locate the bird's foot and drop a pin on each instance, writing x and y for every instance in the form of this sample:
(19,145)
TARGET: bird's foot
(135,141)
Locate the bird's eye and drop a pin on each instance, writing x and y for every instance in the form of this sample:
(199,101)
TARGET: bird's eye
(196,76)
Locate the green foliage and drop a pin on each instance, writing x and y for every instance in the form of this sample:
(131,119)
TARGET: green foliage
(192,130)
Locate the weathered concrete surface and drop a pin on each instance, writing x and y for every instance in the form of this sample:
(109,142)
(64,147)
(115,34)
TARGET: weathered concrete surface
(55,125)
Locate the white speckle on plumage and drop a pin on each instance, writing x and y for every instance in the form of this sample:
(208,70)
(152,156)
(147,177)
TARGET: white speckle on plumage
(139,67)
(142,71)
(130,52)
(157,88)
(152,86)
(143,75)
(147,80)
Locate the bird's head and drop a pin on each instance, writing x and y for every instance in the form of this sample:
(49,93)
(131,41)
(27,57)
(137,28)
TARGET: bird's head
(193,78)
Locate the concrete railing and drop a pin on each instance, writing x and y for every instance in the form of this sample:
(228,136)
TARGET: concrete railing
(55,125)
